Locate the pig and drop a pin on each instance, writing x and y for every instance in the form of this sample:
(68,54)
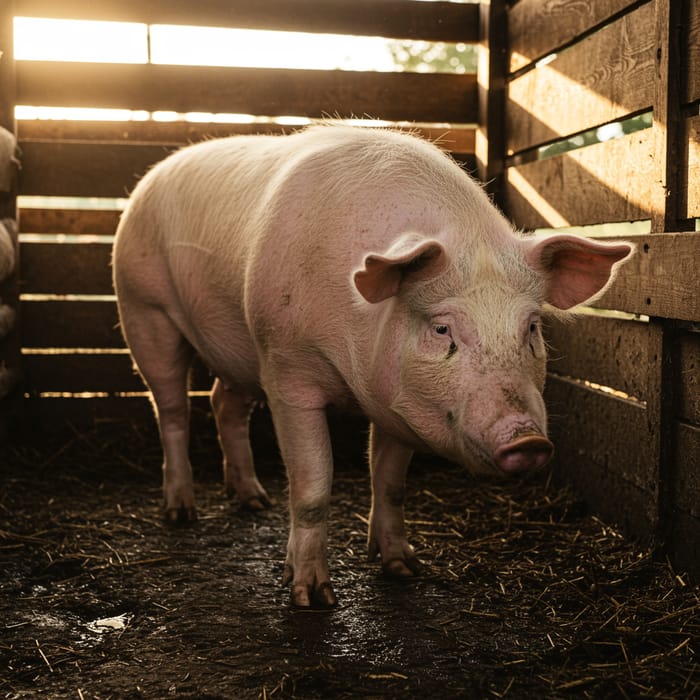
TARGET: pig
(344,267)
(8,235)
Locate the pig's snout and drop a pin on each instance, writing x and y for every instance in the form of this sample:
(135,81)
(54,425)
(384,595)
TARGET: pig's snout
(526,453)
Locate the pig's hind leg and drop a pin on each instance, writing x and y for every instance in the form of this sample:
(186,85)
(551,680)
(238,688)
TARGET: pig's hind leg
(163,357)
(232,412)
(389,462)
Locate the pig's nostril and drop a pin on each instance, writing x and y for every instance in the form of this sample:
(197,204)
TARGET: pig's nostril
(528,452)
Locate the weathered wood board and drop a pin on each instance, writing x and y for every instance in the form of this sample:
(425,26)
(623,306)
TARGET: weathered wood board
(565,20)
(435,21)
(607,75)
(269,92)
(585,186)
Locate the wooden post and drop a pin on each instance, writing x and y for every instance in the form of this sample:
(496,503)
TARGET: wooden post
(491,76)
(10,354)
(668,120)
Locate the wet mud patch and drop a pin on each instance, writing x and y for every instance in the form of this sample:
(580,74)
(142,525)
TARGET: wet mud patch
(522,594)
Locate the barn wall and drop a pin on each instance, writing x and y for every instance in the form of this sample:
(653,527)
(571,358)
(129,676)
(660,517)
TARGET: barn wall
(74,362)
(623,388)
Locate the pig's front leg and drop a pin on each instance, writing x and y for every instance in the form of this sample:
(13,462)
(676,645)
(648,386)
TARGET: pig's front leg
(305,445)
(389,460)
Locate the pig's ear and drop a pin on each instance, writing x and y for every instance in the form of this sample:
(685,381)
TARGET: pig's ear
(577,269)
(409,259)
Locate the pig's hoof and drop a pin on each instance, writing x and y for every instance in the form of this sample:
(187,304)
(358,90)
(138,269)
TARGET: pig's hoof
(257,503)
(320,597)
(251,499)
(402,568)
(180,517)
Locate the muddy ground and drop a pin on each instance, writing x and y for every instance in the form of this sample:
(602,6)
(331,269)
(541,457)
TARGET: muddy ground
(523,594)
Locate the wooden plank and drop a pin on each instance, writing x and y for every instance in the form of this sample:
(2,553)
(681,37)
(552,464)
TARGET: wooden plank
(92,372)
(456,139)
(80,373)
(537,28)
(75,222)
(660,280)
(418,97)
(690,167)
(610,352)
(691,64)
(598,446)
(70,169)
(605,77)
(593,430)
(436,21)
(70,324)
(52,413)
(66,268)
(491,76)
(603,183)
(689,374)
(90,169)
(668,192)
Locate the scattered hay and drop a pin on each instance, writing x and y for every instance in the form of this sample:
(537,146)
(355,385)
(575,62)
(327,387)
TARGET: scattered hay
(522,593)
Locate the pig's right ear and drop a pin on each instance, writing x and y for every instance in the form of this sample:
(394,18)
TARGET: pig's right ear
(410,258)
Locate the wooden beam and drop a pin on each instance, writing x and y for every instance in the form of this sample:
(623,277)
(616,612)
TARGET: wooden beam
(420,97)
(603,183)
(537,28)
(604,77)
(396,19)
(661,280)
(456,139)
(491,76)
(669,127)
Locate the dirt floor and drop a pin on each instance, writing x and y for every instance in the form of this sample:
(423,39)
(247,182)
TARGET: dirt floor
(523,595)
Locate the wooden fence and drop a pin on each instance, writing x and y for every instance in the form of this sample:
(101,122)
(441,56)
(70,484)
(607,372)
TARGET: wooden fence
(623,391)
(623,388)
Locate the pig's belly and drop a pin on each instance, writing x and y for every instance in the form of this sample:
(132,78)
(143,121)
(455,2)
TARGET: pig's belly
(225,346)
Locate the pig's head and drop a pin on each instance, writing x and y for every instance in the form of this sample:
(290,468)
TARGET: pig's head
(460,360)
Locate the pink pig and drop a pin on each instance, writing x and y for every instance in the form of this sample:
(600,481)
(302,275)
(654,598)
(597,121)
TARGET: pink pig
(359,268)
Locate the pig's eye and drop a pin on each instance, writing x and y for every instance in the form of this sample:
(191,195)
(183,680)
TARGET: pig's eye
(442,329)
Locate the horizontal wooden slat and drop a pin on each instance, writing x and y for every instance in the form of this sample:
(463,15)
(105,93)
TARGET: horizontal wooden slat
(689,373)
(454,139)
(70,169)
(85,372)
(603,78)
(607,351)
(66,268)
(692,51)
(536,28)
(269,92)
(603,183)
(436,21)
(591,429)
(90,222)
(90,169)
(80,373)
(691,168)
(660,280)
(70,324)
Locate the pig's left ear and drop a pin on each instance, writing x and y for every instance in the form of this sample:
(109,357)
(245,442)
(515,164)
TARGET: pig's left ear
(409,259)
(577,269)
